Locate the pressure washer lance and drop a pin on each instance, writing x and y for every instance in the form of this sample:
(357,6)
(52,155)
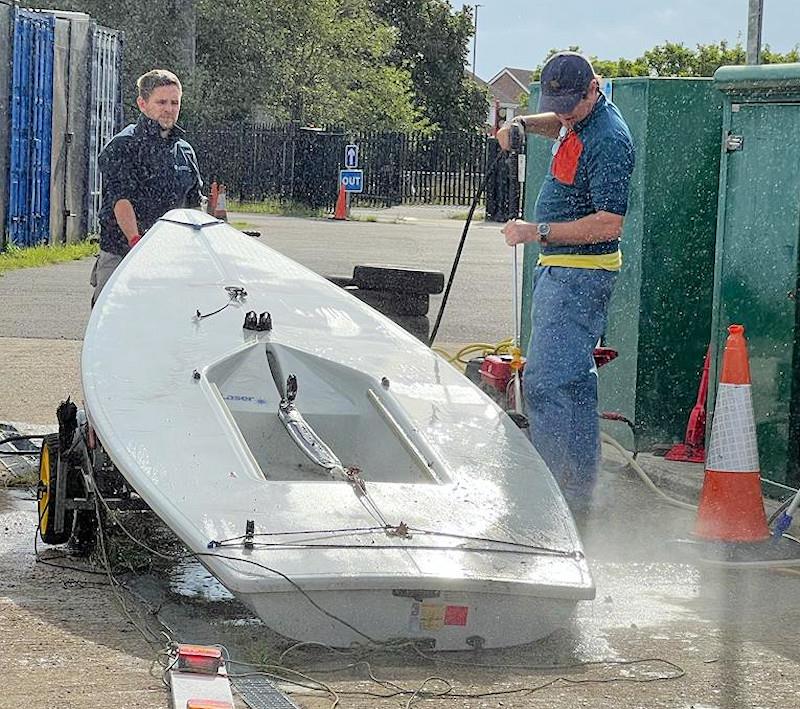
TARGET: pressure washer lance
(516,151)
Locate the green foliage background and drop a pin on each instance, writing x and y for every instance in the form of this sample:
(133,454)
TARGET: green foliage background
(366,64)
(675,59)
(362,64)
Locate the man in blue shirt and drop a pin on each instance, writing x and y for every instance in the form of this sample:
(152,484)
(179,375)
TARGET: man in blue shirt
(579,214)
(148,169)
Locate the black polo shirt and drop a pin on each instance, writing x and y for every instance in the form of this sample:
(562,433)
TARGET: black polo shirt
(155,174)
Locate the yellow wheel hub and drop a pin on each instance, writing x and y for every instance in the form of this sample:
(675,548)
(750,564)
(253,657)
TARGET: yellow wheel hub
(44,487)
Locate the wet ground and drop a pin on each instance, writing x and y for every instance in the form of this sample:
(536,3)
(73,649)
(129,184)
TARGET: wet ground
(63,638)
(664,631)
(726,638)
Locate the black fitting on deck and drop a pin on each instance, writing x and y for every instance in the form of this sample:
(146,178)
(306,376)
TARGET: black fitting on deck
(249,531)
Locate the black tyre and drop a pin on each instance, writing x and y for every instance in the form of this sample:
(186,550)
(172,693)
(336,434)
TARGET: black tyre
(417,325)
(392,303)
(399,279)
(48,481)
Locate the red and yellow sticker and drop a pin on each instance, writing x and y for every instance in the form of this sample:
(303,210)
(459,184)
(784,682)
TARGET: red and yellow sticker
(435,616)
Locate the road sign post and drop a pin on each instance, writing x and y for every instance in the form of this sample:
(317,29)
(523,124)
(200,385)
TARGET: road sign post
(351,178)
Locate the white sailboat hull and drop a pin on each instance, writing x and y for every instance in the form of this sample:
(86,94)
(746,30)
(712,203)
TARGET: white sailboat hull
(440,521)
(443,622)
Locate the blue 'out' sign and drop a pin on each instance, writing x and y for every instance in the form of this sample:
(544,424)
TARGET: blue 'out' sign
(353,180)
(351,156)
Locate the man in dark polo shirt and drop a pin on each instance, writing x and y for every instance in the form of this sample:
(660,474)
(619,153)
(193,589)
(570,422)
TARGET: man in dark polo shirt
(147,170)
(579,213)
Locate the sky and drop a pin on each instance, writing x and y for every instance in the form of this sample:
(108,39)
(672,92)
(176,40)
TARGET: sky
(520,33)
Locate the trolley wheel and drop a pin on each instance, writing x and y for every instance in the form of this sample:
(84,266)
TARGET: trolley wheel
(46,493)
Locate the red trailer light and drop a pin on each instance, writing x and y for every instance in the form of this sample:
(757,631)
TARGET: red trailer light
(199,658)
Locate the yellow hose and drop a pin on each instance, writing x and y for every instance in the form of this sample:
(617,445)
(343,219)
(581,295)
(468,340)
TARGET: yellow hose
(480,349)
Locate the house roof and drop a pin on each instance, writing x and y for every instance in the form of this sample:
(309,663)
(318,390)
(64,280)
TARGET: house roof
(522,77)
(508,84)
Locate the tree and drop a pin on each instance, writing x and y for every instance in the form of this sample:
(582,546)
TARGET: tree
(336,68)
(310,61)
(157,34)
(674,59)
(239,48)
(433,46)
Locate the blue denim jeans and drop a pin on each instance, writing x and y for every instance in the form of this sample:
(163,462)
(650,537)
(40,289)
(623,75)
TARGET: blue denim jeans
(569,315)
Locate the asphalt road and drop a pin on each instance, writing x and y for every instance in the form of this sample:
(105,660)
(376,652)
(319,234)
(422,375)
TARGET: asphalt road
(53,302)
(44,311)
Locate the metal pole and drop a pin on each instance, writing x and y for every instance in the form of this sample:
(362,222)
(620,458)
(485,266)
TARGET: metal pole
(515,306)
(185,20)
(515,284)
(475,40)
(755,21)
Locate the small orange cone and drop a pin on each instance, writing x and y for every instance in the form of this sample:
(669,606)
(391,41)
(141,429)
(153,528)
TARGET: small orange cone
(731,506)
(221,207)
(692,450)
(341,204)
(212,198)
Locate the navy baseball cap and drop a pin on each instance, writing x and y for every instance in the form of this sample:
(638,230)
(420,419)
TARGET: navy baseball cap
(565,78)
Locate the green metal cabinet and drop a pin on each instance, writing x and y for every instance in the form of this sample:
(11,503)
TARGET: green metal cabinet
(660,315)
(756,271)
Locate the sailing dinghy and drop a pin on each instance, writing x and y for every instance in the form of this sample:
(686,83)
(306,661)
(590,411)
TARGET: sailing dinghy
(333,473)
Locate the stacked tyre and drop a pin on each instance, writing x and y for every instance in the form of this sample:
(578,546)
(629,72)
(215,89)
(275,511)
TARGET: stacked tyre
(402,294)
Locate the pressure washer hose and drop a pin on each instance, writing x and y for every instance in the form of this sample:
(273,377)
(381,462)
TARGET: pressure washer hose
(646,479)
(481,348)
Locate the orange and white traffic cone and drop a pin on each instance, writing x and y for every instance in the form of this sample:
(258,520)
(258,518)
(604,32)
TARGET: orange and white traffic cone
(731,505)
(341,204)
(221,207)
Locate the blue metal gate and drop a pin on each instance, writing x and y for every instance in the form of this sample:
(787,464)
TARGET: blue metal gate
(31,129)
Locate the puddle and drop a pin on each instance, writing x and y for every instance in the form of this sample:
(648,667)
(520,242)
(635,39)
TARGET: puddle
(635,594)
(5,503)
(192,580)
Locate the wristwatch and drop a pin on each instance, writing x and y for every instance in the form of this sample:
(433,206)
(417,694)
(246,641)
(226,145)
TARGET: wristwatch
(543,230)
